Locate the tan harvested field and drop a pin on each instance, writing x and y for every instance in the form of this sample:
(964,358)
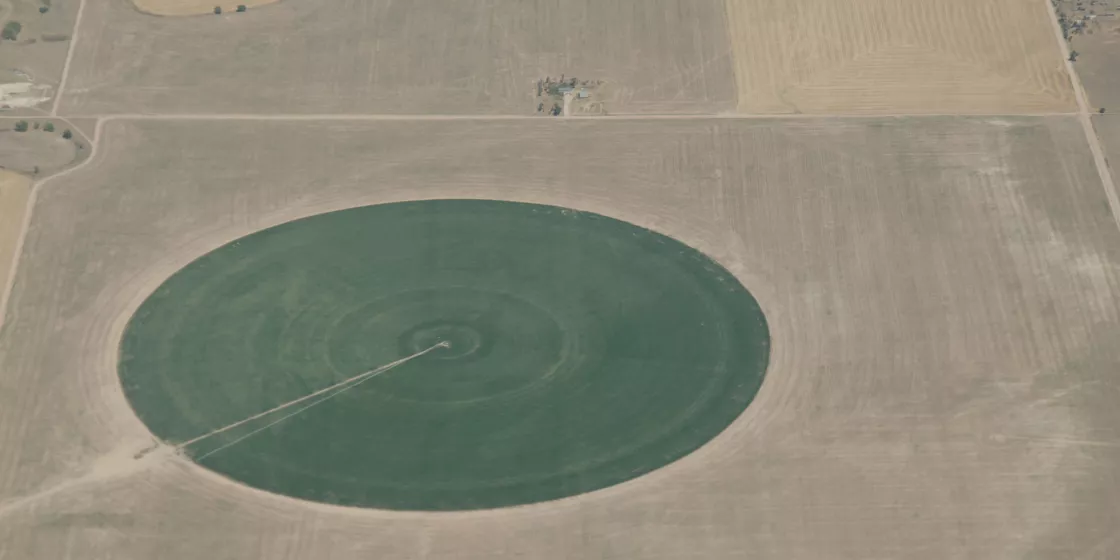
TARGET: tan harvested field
(942,295)
(896,56)
(386,56)
(192,7)
(14,192)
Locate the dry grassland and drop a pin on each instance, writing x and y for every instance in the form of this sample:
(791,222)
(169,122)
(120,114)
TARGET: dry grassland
(34,150)
(942,294)
(14,192)
(1098,45)
(192,7)
(386,56)
(896,56)
(38,54)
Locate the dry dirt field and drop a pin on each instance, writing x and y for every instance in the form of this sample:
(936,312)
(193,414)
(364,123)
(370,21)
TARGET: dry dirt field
(386,56)
(659,56)
(1108,128)
(883,56)
(14,192)
(942,295)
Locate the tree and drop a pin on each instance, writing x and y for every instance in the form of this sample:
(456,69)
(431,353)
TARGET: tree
(21,126)
(11,30)
(1102,110)
(35,171)
(35,126)
(217,10)
(1073,56)
(49,127)
(43,9)
(241,7)
(67,134)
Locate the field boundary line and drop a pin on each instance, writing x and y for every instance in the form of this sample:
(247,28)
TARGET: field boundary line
(17,255)
(1084,115)
(511,117)
(69,57)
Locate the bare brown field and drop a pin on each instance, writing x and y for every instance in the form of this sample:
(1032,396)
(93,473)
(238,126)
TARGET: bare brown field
(192,7)
(896,56)
(382,56)
(15,189)
(942,295)
(1108,130)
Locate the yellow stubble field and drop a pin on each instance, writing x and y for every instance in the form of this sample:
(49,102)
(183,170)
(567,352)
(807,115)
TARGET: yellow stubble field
(896,56)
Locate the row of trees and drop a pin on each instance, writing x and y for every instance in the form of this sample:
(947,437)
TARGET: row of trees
(22,126)
(240,8)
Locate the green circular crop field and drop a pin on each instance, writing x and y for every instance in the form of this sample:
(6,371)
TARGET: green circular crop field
(578,352)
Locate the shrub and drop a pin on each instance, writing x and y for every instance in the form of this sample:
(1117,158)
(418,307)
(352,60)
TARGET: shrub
(43,9)
(49,127)
(241,7)
(67,134)
(11,30)
(21,126)
(217,10)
